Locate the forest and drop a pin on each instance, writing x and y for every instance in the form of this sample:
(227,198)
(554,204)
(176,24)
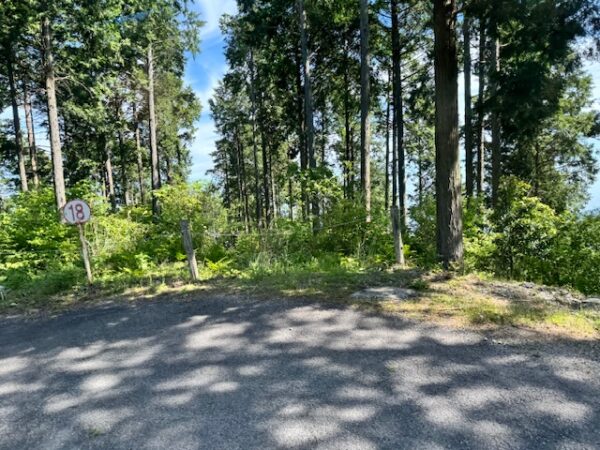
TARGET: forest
(355,136)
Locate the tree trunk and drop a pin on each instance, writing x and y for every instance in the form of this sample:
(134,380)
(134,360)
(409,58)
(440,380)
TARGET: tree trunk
(109,176)
(420,187)
(448,184)
(169,170)
(31,136)
(266,182)
(226,187)
(495,125)
(348,157)
(275,213)
(140,161)
(365,107)
(394,150)
(57,162)
(469,167)
(399,111)
(154,161)
(17,123)
(481,113)
(309,127)
(254,143)
(125,196)
(291,196)
(242,180)
(387,150)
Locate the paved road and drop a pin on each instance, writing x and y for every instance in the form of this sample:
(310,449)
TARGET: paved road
(221,373)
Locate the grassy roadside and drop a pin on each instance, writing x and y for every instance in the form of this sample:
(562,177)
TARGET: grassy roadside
(471,301)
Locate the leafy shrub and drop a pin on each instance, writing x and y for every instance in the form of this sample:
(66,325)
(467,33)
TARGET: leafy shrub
(525,229)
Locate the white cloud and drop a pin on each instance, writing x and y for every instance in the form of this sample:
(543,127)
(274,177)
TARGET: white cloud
(211,12)
(204,95)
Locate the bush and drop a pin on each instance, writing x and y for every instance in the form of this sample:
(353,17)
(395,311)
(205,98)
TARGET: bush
(525,232)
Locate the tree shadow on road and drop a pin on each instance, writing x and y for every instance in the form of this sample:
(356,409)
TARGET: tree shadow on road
(230,373)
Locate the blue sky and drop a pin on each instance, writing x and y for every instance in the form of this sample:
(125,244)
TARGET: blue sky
(203,74)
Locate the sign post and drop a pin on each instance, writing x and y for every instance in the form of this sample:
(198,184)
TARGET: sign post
(77,212)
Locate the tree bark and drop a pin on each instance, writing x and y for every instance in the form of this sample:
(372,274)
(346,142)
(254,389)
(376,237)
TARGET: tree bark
(242,180)
(125,195)
(309,126)
(266,182)
(154,161)
(481,113)
(140,161)
(16,122)
(448,183)
(55,147)
(109,176)
(254,142)
(387,150)
(365,107)
(469,167)
(495,126)
(31,136)
(399,111)
(348,157)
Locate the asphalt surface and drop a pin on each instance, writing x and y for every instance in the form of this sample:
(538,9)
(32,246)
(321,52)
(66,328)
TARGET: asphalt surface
(226,373)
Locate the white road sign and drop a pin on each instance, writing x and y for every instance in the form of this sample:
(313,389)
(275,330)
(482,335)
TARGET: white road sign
(77,212)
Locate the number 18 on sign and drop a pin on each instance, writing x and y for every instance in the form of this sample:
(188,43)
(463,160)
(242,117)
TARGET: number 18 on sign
(78,212)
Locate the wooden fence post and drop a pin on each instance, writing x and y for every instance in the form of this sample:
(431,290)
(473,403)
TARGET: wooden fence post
(86,255)
(188,245)
(398,244)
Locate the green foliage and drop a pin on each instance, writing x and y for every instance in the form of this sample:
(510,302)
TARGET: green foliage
(35,247)
(523,238)
(525,229)
(575,255)
(31,235)
(479,236)
(422,240)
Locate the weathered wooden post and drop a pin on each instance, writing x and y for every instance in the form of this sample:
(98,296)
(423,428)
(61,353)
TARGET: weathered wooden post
(398,244)
(85,254)
(188,245)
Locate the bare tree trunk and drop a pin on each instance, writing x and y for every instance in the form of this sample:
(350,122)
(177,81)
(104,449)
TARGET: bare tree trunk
(31,136)
(481,113)
(365,108)
(242,181)
(169,171)
(309,127)
(109,175)
(448,183)
(154,161)
(348,157)
(140,161)
(226,187)
(17,123)
(273,188)
(387,150)
(469,167)
(399,111)
(125,195)
(266,182)
(291,195)
(495,125)
(394,149)
(57,162)
(254,143)
(421,186)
